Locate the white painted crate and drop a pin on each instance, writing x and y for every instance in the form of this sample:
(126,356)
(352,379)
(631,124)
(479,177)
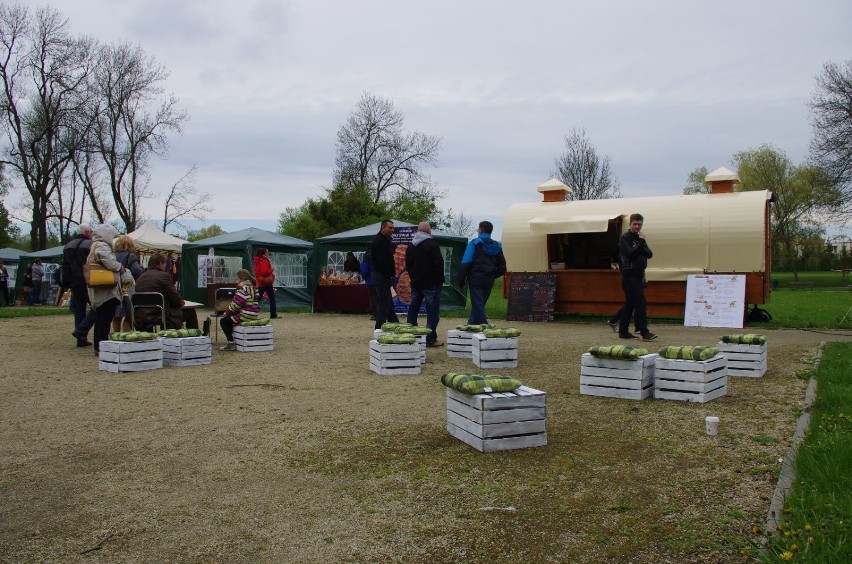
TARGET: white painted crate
(744,360)
(394,360)
(419,339)
(459,343)
(690,380)
(130,356)
(187,351)
(494,352)
(617,378)
(498,421)
(254,338)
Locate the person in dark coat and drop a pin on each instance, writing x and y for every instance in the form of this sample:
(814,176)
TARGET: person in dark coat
(351,263)
(383,273)
(156,279)
(425,265)
(74,256)
(367,276)
(633,255)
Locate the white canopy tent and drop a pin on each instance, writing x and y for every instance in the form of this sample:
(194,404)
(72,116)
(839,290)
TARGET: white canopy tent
(151,239)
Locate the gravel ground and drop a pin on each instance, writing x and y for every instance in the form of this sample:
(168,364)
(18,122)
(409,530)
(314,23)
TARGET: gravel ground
(305,455)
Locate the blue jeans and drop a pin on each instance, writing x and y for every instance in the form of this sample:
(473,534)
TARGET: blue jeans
(79,301)
(478,296)
(35,295)
(432,296)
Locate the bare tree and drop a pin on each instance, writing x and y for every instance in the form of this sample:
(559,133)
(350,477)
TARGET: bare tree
(461,224)
(124,135)
(695,182)
(831,118)
(374,151)
(589,176)
(43,70)
(184,201)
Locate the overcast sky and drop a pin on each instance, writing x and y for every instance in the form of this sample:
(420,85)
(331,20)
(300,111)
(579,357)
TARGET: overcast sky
(661,87)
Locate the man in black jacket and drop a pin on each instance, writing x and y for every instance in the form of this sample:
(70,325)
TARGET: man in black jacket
(425,266)
(633,255)
(383,273)
(74,256)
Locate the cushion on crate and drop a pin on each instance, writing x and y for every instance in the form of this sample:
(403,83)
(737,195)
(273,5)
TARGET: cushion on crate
(179,333)
(502,332)
(397,339)
(688,353)
(747,339)
(390,326)
(255,322)
(475,328)
(478,384)
(412,330)
(132,336)
(625,352)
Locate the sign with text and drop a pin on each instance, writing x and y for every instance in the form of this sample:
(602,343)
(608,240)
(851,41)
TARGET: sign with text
(532,296)
(715,300)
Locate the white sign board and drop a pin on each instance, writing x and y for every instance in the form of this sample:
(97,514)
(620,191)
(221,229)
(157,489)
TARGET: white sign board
(715,300)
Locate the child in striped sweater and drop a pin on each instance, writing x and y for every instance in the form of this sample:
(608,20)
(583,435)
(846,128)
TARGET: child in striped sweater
(244,307)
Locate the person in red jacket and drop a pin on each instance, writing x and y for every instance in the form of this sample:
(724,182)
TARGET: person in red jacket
(265,276)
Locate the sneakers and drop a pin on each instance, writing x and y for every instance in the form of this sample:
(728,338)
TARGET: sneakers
(435,344)
(648,336)
(83,343)
(613,325)
(273,316)
(231,346)
(628,336)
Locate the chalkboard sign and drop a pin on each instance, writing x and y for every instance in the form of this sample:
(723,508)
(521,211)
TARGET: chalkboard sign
(532,296)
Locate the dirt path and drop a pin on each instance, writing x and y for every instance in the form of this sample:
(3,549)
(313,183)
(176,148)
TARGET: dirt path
(305,455)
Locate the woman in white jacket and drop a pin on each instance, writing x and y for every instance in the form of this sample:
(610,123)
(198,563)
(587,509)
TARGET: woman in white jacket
(104,298)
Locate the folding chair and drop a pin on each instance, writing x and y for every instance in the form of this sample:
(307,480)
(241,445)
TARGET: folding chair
(223,300)
(148,302)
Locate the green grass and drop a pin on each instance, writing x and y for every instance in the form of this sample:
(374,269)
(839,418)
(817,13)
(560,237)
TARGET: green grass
(27,311)
(821,307)
(815,524)
(820,279)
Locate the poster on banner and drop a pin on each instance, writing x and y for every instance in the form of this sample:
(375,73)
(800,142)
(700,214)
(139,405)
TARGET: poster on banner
(715,300)
(401,290)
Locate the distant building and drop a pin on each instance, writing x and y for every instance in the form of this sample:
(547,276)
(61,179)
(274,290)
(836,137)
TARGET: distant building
(840,244)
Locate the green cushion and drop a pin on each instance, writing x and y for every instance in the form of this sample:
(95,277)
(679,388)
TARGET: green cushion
(132,336)
(475,328)
(413,330)
(390,326)
(396,339)
(255,322)
(479,384)
(618,352)
(747,339)
(502,332)
(689,353)
(179,333)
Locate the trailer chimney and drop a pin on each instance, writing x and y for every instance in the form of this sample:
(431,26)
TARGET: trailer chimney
(554,191)
(721,181)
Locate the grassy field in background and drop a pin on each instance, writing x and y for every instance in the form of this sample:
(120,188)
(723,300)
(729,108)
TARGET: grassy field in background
(817,519)
(820,279)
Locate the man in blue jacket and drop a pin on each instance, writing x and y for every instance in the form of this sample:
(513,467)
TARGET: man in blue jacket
(482,263)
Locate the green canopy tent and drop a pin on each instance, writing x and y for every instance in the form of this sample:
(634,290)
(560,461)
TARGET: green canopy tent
(330,252)
(11,258)
(214,262)
(51,259)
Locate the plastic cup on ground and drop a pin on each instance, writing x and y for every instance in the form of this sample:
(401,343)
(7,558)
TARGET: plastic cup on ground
(712,425)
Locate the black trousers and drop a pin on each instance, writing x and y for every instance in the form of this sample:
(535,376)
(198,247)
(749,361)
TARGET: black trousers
(384,301)
(634,305)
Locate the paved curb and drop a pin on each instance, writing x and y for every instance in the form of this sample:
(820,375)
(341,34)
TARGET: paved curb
(788,471)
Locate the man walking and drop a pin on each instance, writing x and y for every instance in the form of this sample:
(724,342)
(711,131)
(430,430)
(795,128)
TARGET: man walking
(383,273)
(74,256)
(482,263)
(633,255)
(425,266)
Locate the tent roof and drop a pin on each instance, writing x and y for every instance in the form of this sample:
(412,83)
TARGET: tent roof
(371,230)
(253,234)
(52,252)
(10,253)
(151,239)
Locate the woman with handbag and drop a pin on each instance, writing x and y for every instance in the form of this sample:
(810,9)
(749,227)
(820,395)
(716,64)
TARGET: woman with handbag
(103,296)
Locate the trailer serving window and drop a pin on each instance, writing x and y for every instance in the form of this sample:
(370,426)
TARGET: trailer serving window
(587,242)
